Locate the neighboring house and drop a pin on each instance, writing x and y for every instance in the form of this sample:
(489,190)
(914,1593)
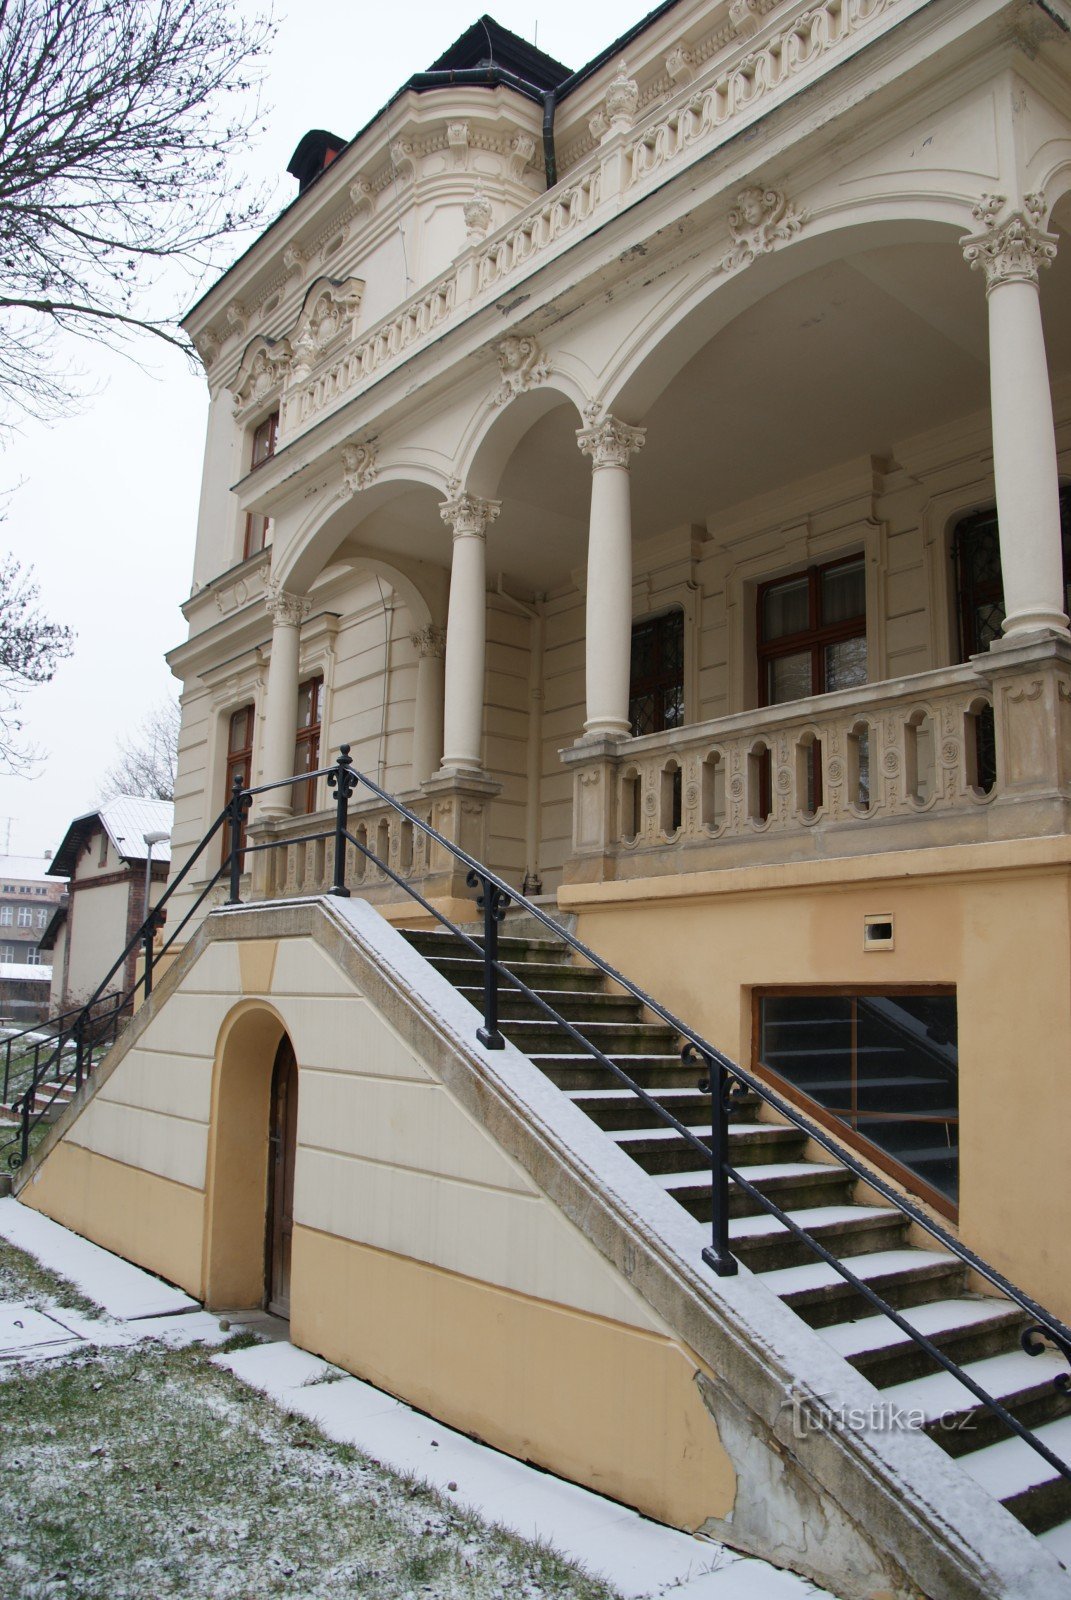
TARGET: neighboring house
(659,475)
(29,894)
(104,856)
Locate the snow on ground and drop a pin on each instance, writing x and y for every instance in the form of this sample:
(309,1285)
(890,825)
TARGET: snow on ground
(636,1557)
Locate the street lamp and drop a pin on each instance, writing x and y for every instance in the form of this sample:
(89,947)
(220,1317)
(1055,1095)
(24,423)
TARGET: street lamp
(150,840)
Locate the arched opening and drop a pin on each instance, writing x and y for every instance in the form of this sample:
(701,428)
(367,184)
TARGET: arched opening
(240,1174)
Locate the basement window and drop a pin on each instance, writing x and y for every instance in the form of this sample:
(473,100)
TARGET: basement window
(879,1068)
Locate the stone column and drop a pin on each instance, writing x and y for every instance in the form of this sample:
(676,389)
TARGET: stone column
(466,632)
(280,708)
(1010,252)
(610,444)
(430,645)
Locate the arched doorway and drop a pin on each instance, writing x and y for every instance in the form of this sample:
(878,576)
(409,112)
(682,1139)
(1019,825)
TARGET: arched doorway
(282,1149)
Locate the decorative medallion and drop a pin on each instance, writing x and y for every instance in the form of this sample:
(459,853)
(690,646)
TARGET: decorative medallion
(760,219)
(522,364)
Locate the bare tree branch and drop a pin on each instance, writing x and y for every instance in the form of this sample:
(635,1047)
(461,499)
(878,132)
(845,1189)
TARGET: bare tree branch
(118,123)
(31,648)
(148,758)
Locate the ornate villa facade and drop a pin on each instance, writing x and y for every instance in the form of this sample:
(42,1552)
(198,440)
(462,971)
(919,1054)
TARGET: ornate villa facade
(659,476)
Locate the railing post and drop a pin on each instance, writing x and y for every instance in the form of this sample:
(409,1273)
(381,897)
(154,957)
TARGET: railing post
(343,780)
(236,808)
(148,939)
(493,902)
(716,1083)
(28,1099)
(7,1069)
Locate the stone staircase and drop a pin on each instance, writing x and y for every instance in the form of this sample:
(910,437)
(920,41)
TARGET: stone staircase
(979,1331)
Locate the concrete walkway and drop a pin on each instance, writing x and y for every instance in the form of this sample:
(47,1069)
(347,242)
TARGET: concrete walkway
(639,1558)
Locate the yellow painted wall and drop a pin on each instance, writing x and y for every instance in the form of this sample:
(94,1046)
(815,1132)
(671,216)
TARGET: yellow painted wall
(993,919)
(145,1218)
(612,1406)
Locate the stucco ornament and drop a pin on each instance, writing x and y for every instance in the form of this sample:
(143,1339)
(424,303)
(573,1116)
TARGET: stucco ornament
(264,368)
(207,345)
(294,261)
(359,467)
(760,219)
(522,151)
(746,17)
(468,514)
(622,101)
(362,196)
(478,215)
(330,313)
(523,366)
(610,443)
(286,610)
(1012,250)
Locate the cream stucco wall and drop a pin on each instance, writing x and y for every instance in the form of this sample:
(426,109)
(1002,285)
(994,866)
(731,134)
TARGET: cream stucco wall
(425,1258)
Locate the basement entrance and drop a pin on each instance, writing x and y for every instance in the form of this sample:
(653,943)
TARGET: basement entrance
(282,1146)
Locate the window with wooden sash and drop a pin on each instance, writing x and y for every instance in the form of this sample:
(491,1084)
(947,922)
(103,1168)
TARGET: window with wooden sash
(980,582)
(812,632)
(307,743)
(239,762)
(656,675)
(257,527)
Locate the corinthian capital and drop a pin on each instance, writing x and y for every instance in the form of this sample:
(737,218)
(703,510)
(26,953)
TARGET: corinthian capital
(286,610)
(429,640)
(1013,250)
(610,443)
(468,514)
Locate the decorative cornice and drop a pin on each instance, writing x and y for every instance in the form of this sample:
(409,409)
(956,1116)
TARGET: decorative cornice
(429,641)
(523,365)
(467,514)
(610,443)
(286,610)
(760,219)
(359,467)
(1012,251)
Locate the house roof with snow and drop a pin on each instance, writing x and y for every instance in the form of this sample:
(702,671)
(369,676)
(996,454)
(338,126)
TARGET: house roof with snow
(126,819)
(27,869)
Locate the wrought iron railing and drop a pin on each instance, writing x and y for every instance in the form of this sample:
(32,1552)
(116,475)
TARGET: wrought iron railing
(723,1079)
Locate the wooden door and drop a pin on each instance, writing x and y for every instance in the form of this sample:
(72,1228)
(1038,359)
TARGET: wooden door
(282,1147)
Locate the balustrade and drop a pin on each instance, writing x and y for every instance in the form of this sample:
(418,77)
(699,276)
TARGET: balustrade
(938,758)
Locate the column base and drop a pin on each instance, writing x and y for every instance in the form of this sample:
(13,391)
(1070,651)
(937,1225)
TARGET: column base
(1031,623)
(605,728)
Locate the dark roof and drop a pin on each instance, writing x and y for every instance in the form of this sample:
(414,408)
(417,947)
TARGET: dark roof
(488,44)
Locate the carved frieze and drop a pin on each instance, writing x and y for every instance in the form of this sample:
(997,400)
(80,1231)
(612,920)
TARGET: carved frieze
(760,219)
(1011,250)
(522,364)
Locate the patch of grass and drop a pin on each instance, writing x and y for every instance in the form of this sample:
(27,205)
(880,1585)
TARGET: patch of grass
(23,1278)
(150,1471)
(244,1339)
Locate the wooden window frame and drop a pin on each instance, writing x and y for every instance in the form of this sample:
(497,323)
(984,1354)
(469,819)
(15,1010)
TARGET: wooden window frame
(967,596)
(257,525)
(655,684)
(241,758)
(880,1159)
(307,748)
(817,636)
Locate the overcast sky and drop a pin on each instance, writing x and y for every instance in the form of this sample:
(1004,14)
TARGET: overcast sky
(106,504)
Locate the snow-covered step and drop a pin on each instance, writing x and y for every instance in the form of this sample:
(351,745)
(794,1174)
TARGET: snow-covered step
(1010,1374)
(1014,1473)
(766,1173)
(1058,1541)
(938,1318)
(663,1132)
(903,1277)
